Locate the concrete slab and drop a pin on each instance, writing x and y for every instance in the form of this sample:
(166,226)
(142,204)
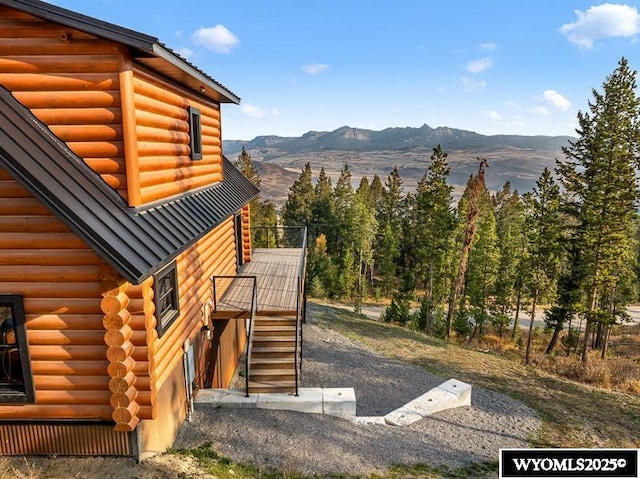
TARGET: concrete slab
(431,402)
(230,398)
(370,420)
(402,417)
(460,389)
(340,402)
(309,400)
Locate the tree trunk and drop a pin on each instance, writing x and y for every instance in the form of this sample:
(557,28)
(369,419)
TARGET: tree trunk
(587,328)
(470,231)
(534,300)
(516,320)
(554,338)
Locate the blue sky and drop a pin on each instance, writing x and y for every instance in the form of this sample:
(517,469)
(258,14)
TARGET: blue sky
(495,66)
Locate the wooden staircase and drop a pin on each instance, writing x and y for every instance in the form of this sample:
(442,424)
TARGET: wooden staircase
(273,353)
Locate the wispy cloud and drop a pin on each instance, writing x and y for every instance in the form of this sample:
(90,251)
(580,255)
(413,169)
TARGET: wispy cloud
(488,46)
(184,52)
(252,111)
(492,115)
(218,38)
(602,21)
(315,68)
(471,84)
(480,65)
(539,111)
(555,99)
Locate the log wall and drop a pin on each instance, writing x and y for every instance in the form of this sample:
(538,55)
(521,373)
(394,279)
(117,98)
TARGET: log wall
(246,233)
(61,281)
(129,125)
(162,130)
(70,81)
(212,255)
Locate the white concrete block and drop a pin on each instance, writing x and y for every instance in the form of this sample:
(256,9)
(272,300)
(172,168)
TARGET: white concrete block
(431,402)
(370,420)
(309,400)
(229,398)
(460,389)
(340,402)
(402,417)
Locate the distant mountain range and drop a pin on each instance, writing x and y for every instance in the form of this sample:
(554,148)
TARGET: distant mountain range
(516,158)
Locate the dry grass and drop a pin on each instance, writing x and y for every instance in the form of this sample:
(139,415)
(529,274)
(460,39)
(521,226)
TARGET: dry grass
(574,414)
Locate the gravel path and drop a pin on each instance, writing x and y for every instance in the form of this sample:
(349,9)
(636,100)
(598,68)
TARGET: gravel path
(321,445)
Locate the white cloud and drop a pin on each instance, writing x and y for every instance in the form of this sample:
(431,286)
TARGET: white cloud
(556,100)
(513,105)
(539,111)
(315,68)
(602,21)
(252,111)
(275,111)
(184,52)
(480,65)
(470,84)
(488,46)
(492,115)
(218,38)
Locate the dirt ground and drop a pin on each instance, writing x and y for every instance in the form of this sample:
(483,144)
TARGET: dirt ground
(165,466)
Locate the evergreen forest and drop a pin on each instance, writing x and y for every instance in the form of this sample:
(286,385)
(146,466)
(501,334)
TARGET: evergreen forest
(465,267)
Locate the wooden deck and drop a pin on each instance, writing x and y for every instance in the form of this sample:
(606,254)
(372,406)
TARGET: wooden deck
(276,272)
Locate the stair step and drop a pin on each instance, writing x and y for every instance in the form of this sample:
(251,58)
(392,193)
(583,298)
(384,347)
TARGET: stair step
(274,331)
(271,386)
(271,363)
(272,375)
(275,322)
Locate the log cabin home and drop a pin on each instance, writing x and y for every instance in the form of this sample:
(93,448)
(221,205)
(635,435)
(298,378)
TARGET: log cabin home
(128,280)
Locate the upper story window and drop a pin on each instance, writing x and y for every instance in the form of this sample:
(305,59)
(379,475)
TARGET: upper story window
(166,297)
(195,133)
(16,383)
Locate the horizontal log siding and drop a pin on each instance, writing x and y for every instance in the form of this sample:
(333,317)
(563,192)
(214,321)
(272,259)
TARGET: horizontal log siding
(162,129)
(246,233)
(212,255)
(69,80)
(60,278)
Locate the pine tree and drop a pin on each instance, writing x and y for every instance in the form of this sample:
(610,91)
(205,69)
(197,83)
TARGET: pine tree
(475,187)
(434,222)
(599,173)
(297,209)
(545,243)
(510,214)
(389,217)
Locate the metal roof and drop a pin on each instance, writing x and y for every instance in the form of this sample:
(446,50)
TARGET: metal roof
(134,242)
(146,49)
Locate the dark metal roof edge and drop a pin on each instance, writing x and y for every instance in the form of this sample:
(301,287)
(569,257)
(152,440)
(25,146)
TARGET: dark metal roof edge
(138,40)
(176,60)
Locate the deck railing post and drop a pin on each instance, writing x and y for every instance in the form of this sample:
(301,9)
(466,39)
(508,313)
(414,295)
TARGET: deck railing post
(215,298)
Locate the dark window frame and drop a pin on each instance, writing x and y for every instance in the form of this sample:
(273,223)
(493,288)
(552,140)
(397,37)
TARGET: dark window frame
(26,392)
(195,133)
(166,319)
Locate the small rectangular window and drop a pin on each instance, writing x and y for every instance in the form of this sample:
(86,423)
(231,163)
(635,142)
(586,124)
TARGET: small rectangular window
(16,383)
(195,133)
(166,297)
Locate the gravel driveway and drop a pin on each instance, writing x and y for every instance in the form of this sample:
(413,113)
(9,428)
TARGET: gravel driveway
(316,444)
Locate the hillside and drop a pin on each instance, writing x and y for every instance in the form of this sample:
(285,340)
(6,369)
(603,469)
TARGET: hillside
(514,158)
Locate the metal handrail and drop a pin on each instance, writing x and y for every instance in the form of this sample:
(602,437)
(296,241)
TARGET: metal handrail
(280,237)
(249,328)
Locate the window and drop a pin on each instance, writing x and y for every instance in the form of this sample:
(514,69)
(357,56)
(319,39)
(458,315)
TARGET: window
(166,297)
(195,133)
(16,383)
